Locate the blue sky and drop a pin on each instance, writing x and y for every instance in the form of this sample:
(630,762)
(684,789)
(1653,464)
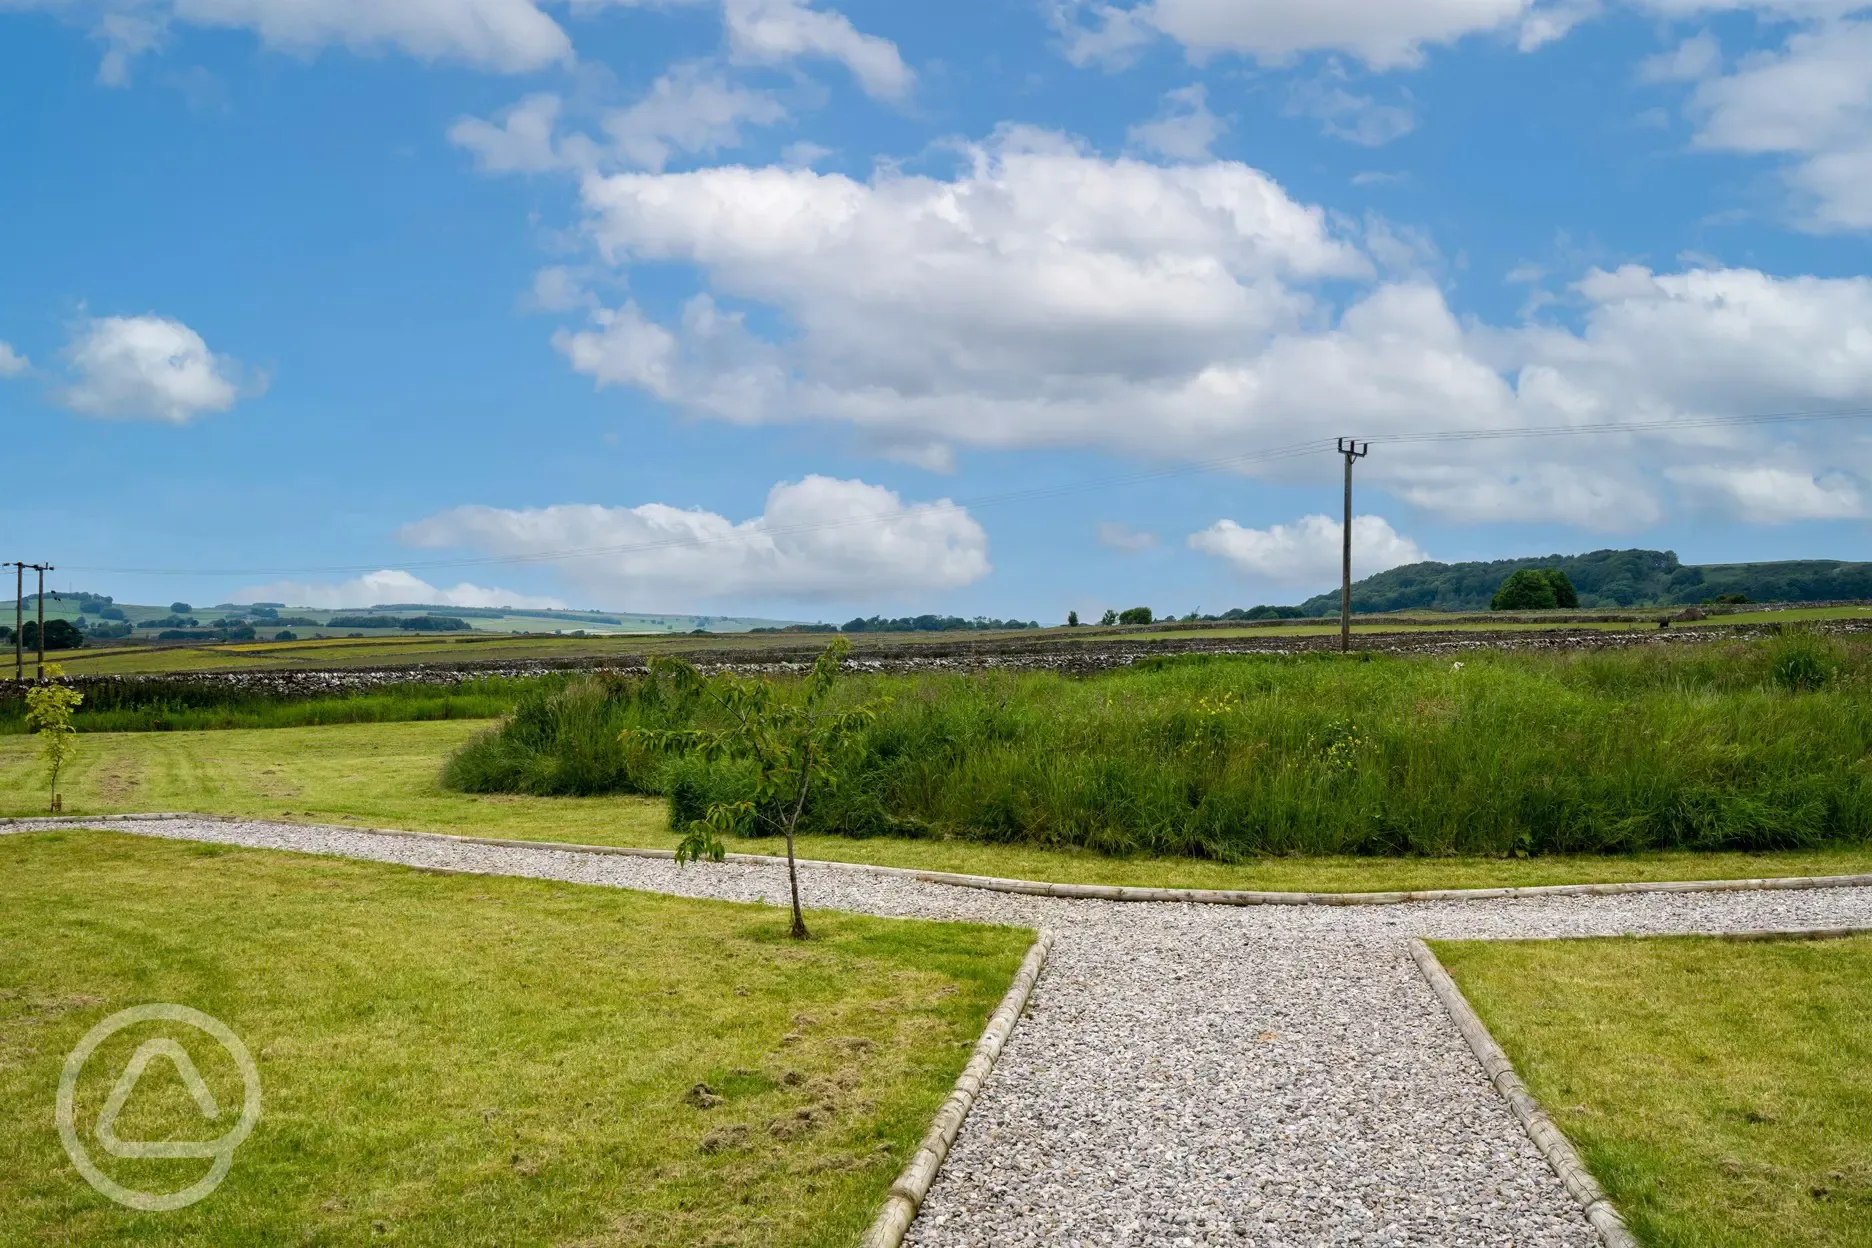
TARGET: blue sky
(801,309)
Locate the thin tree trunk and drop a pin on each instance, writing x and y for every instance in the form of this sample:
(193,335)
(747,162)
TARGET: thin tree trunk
(799,921)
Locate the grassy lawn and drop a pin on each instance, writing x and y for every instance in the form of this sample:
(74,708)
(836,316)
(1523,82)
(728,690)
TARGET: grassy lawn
(1721,1092)
(386,775)
(468,1060)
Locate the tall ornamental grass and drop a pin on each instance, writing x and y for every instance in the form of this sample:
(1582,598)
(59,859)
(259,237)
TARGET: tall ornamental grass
(1757,746)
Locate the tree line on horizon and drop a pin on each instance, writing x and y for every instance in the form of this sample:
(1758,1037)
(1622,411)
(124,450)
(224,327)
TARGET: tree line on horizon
(1606,579)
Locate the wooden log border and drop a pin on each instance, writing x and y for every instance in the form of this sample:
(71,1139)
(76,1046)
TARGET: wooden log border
(913,1183)
(1041,888)
(1547,1137)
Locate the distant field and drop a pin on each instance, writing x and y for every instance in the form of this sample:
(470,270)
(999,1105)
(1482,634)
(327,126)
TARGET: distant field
(603,623)
(398,648)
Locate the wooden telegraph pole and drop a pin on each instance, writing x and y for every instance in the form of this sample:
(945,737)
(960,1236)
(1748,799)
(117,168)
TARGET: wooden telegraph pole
(42,569)
(1353,450)
(19,616)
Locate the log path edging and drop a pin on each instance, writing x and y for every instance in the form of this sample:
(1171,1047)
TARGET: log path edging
(1070,892)
(913,1182)
(1547,1137)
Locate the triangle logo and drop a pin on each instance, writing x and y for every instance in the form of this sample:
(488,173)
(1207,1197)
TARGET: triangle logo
(204,1099)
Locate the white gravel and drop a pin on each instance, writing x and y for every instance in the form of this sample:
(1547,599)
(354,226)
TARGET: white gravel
(1197,1074)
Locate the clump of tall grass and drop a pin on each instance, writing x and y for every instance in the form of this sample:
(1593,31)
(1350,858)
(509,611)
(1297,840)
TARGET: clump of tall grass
(563,740)
(1743,746)
(192,706)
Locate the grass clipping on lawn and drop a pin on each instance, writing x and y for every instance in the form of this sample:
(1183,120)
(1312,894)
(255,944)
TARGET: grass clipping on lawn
(1721,1092)
(457,1060)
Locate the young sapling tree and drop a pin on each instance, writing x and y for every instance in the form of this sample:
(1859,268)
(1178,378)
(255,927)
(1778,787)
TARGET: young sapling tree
(792,742)
(49,707)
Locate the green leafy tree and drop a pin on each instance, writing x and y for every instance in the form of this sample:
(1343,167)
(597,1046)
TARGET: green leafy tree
(59,635)
(1564,594)
(180,608)
(1525,590)
(1135,615)
(1072,619)
(792,742)
(1109,618)
(49,707)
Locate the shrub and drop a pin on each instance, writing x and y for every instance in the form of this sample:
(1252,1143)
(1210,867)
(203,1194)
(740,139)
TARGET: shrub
(1802,661)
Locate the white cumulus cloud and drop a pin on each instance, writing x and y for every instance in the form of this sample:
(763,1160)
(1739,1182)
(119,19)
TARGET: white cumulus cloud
(690,109)
(509,36)
(390,585)
(1045,295)
(1773,494)
(1307,551)
(149,368)
(1385,34)
(770,32)
(1184,129)
(1811,102)
(774,32)
(1345,114)
(817,539)
(12,363)
(522,141)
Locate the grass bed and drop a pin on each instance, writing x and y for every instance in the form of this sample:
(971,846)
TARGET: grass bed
(1720,1091)
(386,775)
(1749,746)
(458,1060)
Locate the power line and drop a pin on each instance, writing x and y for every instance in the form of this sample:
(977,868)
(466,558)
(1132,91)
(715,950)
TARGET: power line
(1188,468)
(1605,427)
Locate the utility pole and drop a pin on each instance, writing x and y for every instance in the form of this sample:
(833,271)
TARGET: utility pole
(1352,449)
(42,569)
(19,616)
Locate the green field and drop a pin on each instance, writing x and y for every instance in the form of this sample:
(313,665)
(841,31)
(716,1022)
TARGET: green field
(388,648)
(1721,1092)
(473,1060)
(387,775)
(481,619)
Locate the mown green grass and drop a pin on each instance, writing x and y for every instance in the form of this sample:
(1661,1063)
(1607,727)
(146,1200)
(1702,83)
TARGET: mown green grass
(387,775)
(451,1060)
(1721,1092)
(1753,746)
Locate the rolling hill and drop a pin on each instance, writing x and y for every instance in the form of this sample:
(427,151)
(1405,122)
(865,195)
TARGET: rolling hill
(1605,578)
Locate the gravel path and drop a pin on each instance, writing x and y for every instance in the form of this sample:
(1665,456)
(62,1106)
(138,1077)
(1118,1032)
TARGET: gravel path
(1197,1074)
